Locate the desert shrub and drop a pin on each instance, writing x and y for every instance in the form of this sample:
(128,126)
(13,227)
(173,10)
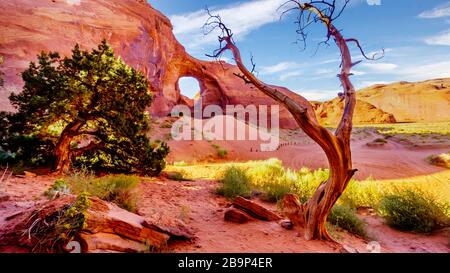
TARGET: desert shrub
(308,181)
(347,219)
(442,160)
(180,163)
(271,179)
(265,171)
(222,153)
(56,230)
(275,190)
(178,176)
(413,210)
(59,187)
(361,194)
(380,140)
(118,189)
(141,156)
(235,183)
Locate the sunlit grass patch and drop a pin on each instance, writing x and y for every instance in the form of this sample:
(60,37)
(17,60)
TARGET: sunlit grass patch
(235,183)
(118,189)
(414,210)
(442,128)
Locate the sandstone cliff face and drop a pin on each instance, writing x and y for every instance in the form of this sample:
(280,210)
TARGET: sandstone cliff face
(141,35)
(330,113)
(426,101)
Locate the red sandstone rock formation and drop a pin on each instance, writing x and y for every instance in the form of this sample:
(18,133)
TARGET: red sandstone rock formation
(108,228)
(141,35)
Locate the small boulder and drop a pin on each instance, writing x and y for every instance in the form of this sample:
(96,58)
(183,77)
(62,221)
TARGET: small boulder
(237,216)
(255,210)
(287,224)
(29,174)
(4,197)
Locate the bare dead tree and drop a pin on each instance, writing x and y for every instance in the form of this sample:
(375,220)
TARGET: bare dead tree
(312,214)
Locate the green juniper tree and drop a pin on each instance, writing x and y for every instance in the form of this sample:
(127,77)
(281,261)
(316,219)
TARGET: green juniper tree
(92,106)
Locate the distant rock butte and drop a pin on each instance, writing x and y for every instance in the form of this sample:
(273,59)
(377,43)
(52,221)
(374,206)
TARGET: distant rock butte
(427,101)
(143,37)
(330,113)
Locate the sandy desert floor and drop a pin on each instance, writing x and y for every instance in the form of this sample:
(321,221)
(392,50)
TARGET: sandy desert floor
(196,205)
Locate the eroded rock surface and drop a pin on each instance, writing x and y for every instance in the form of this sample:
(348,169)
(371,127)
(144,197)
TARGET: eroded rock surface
(109,228)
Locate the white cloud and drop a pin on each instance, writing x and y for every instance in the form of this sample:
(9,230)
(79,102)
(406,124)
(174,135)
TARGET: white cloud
(440,39)
(374,2)
(380,67)
(438,12)
(318,95)
(277,68)
(73,2)
(418,72)
(289,75)
(358,73)
(241,18)
(325,71)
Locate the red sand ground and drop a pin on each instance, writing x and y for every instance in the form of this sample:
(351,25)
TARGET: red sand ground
(195,204)
(392,160)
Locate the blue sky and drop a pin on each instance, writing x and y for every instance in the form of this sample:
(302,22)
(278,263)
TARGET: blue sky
(414,33)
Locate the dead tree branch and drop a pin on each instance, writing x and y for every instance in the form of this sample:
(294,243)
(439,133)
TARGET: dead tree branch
(312,214)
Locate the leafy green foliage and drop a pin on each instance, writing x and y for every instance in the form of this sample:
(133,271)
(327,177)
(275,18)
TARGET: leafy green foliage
(413,210)
(118,189)
(56,230)
(178,176)
(60,186)
(89,107)
(235,183)
(221,153)
(345,218)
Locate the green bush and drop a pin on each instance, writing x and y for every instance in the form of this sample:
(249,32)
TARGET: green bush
(118,189)
(308,181)
(60,186)
(346,218)
(361,194)
(222,153)
(235,183)
(178,176)
(413,210)
(57,229)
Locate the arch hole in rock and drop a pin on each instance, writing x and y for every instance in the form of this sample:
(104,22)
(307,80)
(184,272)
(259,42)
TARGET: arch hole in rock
(189,87)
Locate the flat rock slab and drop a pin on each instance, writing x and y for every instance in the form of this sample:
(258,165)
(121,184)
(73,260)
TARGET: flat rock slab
(255,210)
(109,228)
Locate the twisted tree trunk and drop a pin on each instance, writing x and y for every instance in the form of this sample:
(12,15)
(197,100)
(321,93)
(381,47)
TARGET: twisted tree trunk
(63,150)
(312,214)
